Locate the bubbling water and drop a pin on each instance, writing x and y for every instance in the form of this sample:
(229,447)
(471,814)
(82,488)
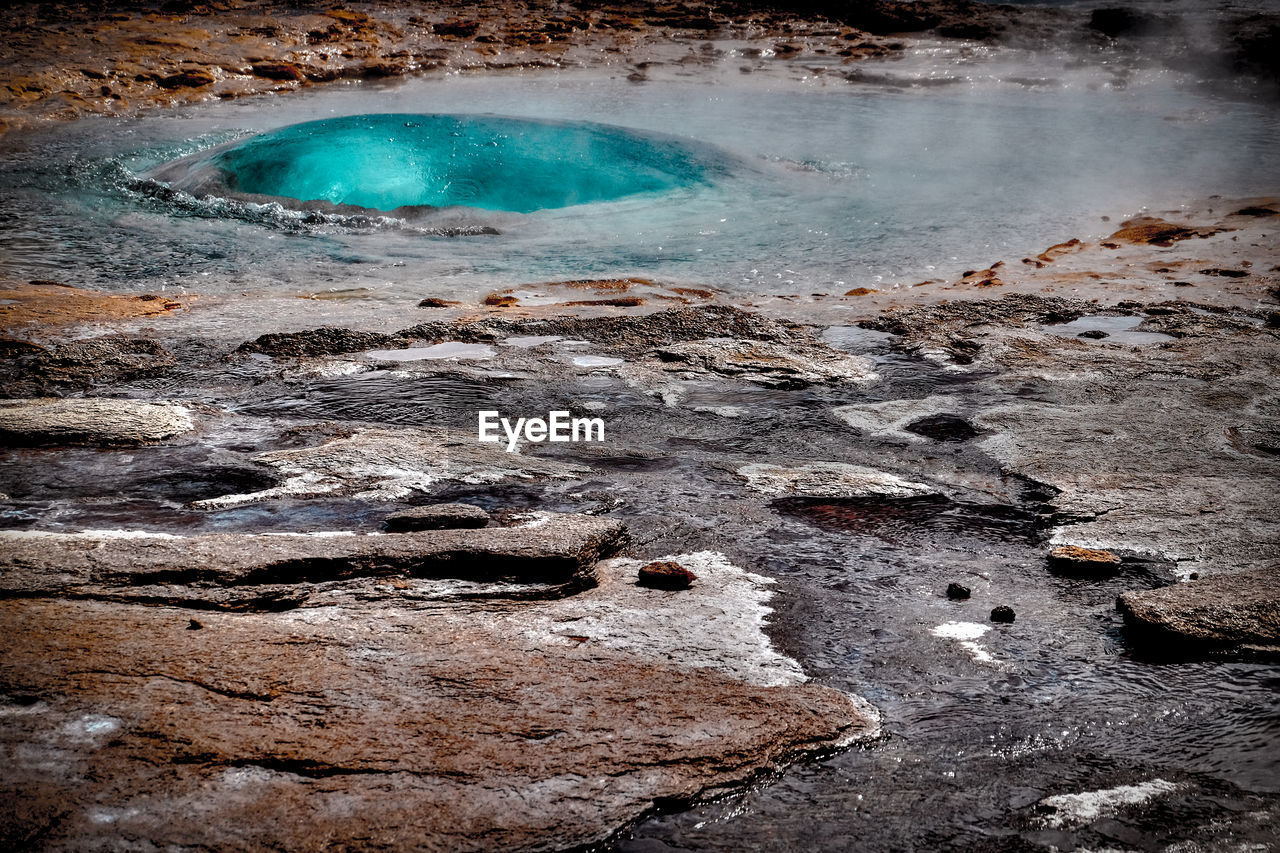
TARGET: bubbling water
(398,162)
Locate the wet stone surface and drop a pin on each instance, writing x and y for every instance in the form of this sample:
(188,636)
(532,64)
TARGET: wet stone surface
(860,549)
(824,483)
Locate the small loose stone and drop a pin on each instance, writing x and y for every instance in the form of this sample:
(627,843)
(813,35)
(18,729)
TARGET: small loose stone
(1003,613)
(1070,558)
(665,574)
(957,592)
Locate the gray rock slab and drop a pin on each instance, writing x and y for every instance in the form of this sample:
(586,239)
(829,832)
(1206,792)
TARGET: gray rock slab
(236,571)
(1235,608)
(437,517)
(829,480)
(51,420)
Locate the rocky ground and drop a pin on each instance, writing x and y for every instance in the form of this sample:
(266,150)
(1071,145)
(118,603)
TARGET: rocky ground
(513,682)
(63,60)
(261,584)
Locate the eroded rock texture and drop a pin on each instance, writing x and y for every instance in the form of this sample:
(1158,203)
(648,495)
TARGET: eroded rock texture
(385,719)
(46,420)
(1237,609)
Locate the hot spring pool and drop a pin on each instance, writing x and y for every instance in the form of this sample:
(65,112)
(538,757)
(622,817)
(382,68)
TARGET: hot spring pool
(396,163)
(778,186)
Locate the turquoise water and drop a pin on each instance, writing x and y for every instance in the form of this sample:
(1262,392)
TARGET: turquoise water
(390,161)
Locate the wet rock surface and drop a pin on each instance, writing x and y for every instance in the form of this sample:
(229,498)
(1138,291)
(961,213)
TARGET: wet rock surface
(854,491)
(629,335)
(274,571)
(385,464)
(437,517)
(275,730)
(78,365)
(1235,609)
(92,421)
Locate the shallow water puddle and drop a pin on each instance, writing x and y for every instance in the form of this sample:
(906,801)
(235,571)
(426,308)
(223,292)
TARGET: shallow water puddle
(595,361)
(529,341)
(448,349)
(1105,329)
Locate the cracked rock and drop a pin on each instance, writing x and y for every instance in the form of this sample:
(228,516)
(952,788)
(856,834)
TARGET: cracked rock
(536,726)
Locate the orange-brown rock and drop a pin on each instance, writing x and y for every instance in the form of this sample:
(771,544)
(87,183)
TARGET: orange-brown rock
(1077,560)
(50,304)
(395,722)
(64,60)
(1157,232)
(666,574)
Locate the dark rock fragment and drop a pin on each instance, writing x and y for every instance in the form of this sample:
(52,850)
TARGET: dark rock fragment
(1256,45)
(1093,334)
(186,79)
(286,71)
(957,592)
(1156,232)
(456,29)
(12,347)
(666,574)
(315,342)
(1118,21)
(1003,613)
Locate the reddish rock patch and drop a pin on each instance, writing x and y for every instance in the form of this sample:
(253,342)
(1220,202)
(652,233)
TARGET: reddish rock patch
(665,574)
